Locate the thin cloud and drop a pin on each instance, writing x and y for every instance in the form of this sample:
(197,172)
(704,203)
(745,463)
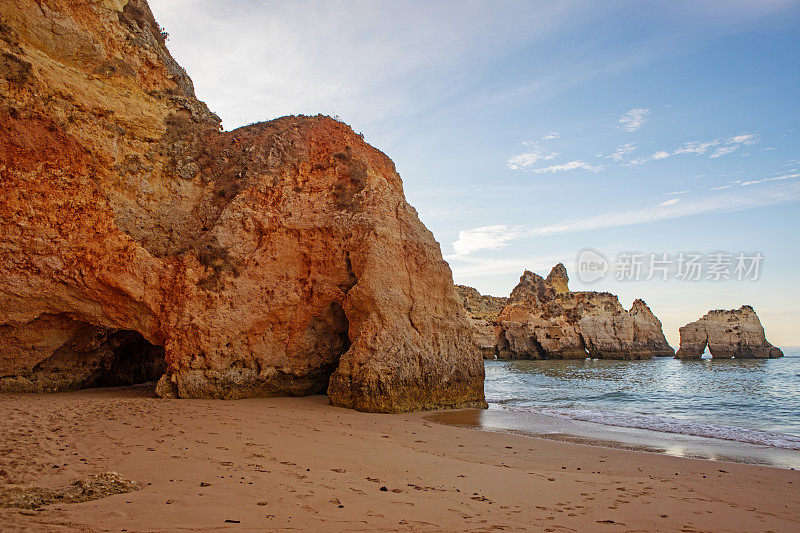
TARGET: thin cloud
(776,178)
(621,152)
(733,144)
(572,165)
(715,203)
(463,267)
(669,202)
(633,119)
(720,148)
(529,159)
(723,150)
(551,135)
(721,203)
(696,147)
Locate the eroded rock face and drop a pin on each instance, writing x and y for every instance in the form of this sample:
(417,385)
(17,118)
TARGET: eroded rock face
(54,352)
(482,311)
(543,319)
(278,258)
(735,333)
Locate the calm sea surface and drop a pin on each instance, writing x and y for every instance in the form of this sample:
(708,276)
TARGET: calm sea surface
(753,401)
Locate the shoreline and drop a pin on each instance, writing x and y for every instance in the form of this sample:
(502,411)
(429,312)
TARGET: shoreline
(298,463)
(537,425)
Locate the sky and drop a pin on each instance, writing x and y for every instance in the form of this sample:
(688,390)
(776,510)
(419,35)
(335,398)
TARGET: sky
(527,132)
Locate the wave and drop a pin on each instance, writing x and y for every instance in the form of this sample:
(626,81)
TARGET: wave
(674,425)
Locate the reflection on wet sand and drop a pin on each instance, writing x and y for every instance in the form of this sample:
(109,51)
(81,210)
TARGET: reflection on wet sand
(589,433)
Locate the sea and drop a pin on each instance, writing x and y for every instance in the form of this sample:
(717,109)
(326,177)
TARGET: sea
(753,401)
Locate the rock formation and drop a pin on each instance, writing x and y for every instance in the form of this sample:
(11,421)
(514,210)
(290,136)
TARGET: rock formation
(483,311)
(735,333)
(543,319)
(277,258)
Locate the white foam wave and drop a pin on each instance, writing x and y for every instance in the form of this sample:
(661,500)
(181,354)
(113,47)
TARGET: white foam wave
(675,425)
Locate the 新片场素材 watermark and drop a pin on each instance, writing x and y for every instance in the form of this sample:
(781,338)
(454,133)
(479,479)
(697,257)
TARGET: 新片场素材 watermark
(593,265)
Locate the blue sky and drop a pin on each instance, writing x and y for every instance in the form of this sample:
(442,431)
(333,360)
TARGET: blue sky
(528,131)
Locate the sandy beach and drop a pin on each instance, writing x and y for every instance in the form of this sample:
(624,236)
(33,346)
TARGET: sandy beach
(300,464)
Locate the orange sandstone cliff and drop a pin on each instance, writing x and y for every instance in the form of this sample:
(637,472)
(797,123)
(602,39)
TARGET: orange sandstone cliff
(543,319)
(139,242)
(483,311)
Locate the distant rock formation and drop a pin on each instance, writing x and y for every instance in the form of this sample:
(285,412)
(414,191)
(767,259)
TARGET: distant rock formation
(277,258)
(543,319)
(483,311)
(727,333)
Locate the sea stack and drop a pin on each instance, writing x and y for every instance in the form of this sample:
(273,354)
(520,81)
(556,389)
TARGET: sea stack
(735,333)
(543,319)
(139,239)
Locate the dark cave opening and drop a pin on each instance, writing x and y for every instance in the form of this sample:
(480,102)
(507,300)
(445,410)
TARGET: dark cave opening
(132,360)
(332,339)
(75,354)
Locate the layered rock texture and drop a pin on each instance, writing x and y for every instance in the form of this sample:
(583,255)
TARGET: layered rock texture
(735,333)
(138,238)
(543,319)
(483,311)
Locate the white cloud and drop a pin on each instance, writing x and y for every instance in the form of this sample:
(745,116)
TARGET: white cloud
(722,147)
(696,147)
(551,135)
(485,238)
(633,119)
(621,152)
(745,138)
(669,202)
(732,144)
(572,165)
(529,159)
(723,150)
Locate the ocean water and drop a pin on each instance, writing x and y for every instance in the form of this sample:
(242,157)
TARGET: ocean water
(749,401)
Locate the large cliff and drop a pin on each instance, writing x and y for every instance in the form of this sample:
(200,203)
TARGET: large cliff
(138,238)
(543,319)
(727,333)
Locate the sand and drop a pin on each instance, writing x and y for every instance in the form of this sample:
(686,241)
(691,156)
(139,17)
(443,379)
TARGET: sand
(300,464)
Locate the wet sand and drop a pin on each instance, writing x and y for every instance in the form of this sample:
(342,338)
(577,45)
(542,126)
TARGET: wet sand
(300,464)
(679,445)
